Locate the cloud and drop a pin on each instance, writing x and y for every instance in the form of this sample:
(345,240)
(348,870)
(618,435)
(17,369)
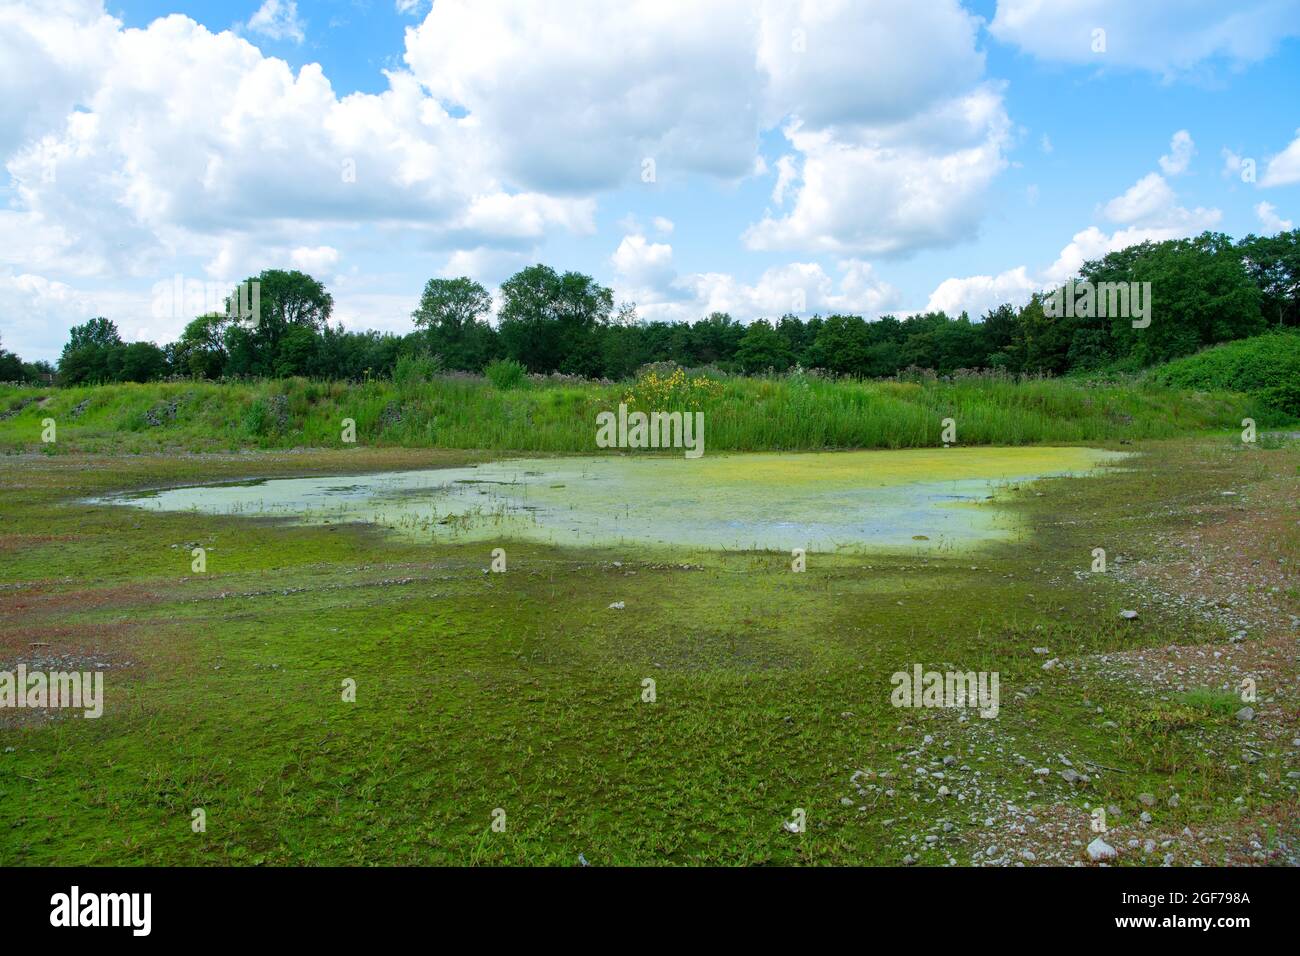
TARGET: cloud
(195,144)
(1284,168)
(787,171)
(315,260)
(1181,150)
(1151,204)
(1161,36)
(883,99)
(895,189)
(976,295)
(1270,220)
(278,20)
(644,264)
(1147,211)
(646,275)
(33,304)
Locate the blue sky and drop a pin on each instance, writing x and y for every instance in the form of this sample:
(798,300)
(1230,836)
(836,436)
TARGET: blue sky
(876,156)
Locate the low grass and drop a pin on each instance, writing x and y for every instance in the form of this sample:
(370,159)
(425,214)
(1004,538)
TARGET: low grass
(523,691)
(777,414)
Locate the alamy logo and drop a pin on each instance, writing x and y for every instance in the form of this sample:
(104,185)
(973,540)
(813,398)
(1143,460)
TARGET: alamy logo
(181,298)
(924,688)
(655,430)
(38,689)
(103,909)
(1084,300)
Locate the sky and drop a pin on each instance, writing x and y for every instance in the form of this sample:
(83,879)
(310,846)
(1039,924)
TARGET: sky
(756,157)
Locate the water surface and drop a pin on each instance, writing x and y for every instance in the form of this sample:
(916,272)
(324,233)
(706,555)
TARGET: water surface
(926,498)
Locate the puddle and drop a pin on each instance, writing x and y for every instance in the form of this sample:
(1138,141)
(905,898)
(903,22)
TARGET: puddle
(943,499)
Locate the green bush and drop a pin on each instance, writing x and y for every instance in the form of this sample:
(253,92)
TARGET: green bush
(505,374)
(1266,366)
(412,371)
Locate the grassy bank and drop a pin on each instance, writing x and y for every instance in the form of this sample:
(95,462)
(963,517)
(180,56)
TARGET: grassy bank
(1267,366)
(741,414)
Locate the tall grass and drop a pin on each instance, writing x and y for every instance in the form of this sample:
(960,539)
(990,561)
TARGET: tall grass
(459,411)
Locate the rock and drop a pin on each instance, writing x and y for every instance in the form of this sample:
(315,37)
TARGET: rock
(944,791)
(1246,714)
(1128,615)
(1041,650)
(1099,849)
(1146,817)
(1073,776)
(617,606)
(1173,800)
(1050,664)
(1147,799)
(846,801)
(1028,855)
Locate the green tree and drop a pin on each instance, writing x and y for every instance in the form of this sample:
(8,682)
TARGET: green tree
(201,349)
(285,300)
(140,362)
(549,321)
(91,353)
(452,315)
(1273,263)
(763,347)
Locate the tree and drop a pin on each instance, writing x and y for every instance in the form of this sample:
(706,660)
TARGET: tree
(201,349)
(451,314)
(90,355)
(98,331)
(1200,294)
(761,348)
(1273,263)
(285,299)
(549,321)
(140,362)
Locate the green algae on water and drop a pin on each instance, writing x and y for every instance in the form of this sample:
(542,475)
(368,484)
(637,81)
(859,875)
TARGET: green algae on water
(945,499)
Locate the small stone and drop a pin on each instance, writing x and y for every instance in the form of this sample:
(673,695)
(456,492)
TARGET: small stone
(1246,714)
(1173,800)
(617,606)
(1099,849)
(1128,616)
(1050,664)
(1147,799)
(944,791)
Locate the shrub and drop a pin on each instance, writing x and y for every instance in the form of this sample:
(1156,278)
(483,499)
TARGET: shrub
(412,371)
(505,374)
(1266,366)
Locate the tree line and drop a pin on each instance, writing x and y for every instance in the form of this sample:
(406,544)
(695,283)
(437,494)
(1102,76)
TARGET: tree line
(1204,290)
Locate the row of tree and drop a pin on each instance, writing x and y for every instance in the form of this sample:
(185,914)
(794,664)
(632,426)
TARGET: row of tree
(1204,290)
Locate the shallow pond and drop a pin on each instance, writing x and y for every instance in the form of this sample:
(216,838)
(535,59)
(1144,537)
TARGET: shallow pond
(924,498)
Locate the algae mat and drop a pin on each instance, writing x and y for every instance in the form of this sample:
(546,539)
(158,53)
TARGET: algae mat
(941,498)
